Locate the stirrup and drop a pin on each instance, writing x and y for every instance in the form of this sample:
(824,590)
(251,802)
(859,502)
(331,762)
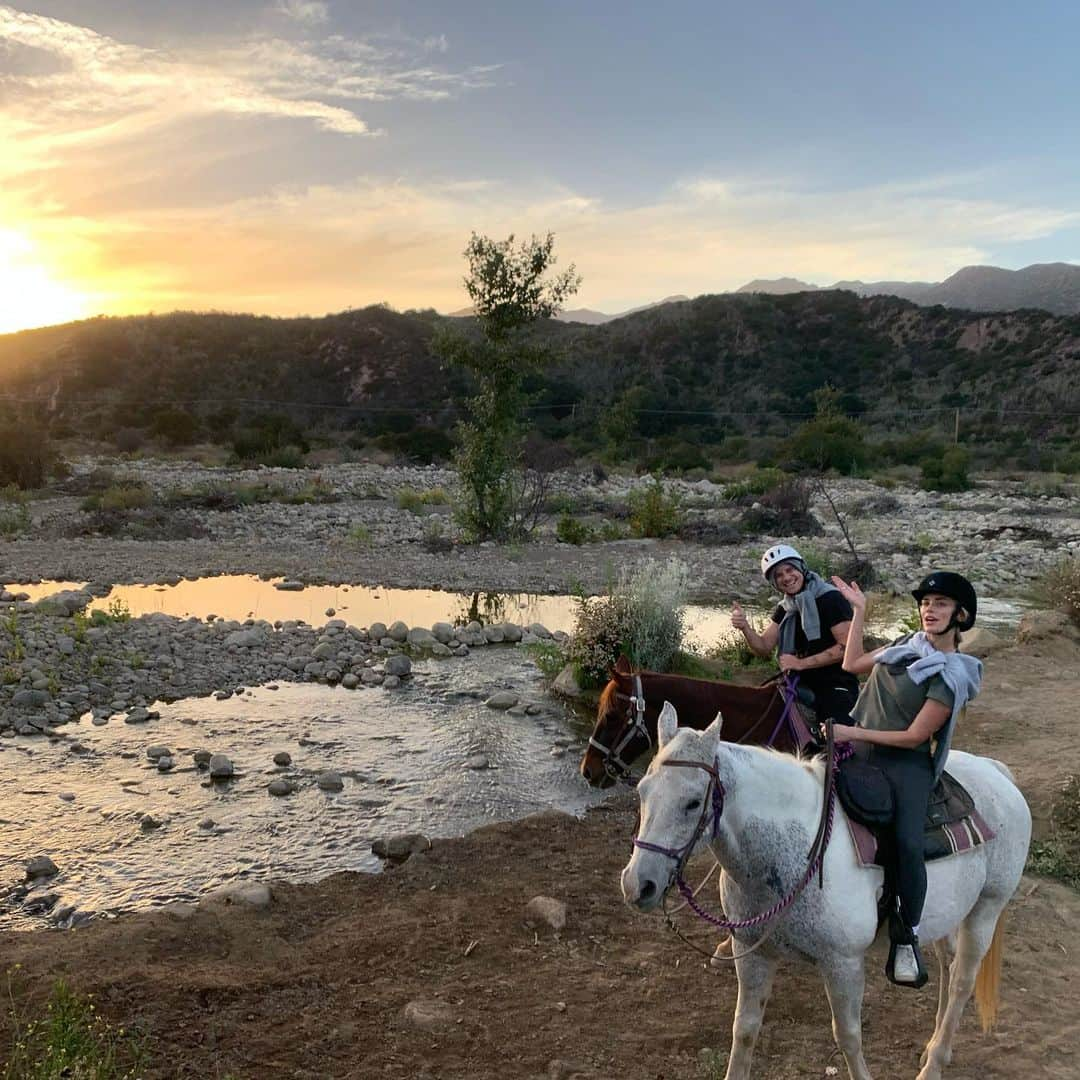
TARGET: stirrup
(912,967)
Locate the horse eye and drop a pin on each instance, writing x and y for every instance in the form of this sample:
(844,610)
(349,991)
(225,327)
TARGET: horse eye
(693,804)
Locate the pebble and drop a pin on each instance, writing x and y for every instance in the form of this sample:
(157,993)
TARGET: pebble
(221,768)
(330,781)
(283,758)
(280,787)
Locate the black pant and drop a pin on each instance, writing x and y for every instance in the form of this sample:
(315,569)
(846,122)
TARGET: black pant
(835,702)
(911,773)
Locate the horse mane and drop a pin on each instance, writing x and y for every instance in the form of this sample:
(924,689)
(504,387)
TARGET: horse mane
(607,697)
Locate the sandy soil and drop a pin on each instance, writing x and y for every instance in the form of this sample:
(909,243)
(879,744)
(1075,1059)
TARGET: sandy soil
(318,984)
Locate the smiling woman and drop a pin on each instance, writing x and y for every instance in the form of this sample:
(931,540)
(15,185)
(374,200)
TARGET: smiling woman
(32,297)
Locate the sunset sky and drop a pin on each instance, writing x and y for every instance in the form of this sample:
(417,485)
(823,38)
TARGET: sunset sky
(305,156)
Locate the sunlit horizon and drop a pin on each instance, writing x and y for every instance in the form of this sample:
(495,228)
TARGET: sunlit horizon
(289,159)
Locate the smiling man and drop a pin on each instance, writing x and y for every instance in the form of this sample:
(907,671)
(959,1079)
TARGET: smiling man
(808,629)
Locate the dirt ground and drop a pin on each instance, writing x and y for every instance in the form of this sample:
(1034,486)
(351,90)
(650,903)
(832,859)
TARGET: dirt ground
(318,985)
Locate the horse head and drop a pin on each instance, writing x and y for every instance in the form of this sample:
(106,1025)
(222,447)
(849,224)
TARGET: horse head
(624,729)
(681,795)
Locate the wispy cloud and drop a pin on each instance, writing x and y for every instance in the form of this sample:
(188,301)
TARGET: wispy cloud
(303,11)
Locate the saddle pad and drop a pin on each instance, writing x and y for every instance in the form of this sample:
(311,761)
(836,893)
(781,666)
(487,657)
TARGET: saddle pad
(940,841)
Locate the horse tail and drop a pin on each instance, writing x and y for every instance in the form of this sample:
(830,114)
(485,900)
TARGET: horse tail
(988,979)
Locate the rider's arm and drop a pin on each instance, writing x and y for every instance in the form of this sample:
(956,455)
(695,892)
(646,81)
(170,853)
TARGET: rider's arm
(856,660)
(927,722)
(762,644)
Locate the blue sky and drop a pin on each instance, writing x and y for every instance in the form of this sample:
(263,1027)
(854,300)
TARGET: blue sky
(290,156)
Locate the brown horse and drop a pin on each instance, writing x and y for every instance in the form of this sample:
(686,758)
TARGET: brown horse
(626,726)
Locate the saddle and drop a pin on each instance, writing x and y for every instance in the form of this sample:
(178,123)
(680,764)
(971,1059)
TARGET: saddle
(952,822)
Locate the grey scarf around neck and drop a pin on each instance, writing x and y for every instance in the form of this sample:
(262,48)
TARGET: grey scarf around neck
(804,605)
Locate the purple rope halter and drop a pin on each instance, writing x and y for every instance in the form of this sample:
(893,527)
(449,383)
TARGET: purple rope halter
(715,800)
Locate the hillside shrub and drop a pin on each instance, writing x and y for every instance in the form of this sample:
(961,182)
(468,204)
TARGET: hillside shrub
(641,617)
(123,495)
(949,472)
(128,440)
(26,455)
(827,442)
(175,427)
(654,511)
(14,511)
(757,483)
(571,531)
(1059,587)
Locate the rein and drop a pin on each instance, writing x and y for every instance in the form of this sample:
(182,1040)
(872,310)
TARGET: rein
(713,804)
(619,770)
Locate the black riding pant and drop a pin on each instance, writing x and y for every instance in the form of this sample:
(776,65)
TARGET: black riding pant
(911,773)
(835,703)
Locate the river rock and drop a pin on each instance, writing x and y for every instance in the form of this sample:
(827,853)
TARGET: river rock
(29,699)
(283,758)
(566,684)
(165,763)
(350,681)
(502,699)
(429,1015)
(399,665)
(40,867)
(546,911)
(221,768)
(158,751)
(202,758)
(494,635)
(397,849)
(398,631)
(511,632)
(253,894)
(138,715)
(443,632)
(330,781)
(477,762)
(64,603)
(1040,625)
(980,642)
(280,787)
(289,586)
(377,631)
(391,682)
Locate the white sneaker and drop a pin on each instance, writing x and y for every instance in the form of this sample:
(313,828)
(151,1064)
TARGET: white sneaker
(905,966)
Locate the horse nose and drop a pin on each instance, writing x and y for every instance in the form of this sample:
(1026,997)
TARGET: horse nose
(586,771)
(648,891)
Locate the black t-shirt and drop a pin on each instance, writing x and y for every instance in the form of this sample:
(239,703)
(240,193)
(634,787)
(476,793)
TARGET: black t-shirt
(833,609)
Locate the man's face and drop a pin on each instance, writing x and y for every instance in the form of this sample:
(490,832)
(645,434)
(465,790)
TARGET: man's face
(788,578)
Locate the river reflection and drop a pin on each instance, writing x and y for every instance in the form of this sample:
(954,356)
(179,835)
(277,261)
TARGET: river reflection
(245,596)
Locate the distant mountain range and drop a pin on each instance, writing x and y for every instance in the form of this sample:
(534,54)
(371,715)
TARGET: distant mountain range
(595,318)
(1053,287)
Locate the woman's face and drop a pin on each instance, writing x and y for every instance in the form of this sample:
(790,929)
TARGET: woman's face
(936,612)
(788,578)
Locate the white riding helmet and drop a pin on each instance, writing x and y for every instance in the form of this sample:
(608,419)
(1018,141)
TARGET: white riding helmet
(778,554)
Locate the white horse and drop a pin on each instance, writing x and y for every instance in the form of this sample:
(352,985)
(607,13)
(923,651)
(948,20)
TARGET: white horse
(770,806)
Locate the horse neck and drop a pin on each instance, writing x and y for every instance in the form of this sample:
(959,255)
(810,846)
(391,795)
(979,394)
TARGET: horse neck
(701,699)
(766,793)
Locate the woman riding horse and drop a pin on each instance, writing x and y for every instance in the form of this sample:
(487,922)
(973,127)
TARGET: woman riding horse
(904,721)
(810,627)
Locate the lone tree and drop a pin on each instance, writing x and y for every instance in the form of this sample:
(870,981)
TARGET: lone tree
(511,287)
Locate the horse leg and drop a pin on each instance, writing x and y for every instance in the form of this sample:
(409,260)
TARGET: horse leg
(844,982)
(945,950)
(755,973)
(974,937)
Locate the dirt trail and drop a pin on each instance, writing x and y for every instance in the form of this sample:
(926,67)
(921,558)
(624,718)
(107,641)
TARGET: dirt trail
(317,985)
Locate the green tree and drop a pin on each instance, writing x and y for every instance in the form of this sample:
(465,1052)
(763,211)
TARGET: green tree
(831,440)
(511,287)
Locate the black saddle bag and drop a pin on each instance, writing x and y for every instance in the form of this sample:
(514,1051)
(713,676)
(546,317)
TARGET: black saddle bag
(865,793)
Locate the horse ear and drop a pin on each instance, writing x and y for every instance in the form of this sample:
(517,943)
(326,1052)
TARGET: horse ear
(667,724)
(715,727)
(623,665)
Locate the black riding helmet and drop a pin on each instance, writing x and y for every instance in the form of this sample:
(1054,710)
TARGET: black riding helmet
(955,587)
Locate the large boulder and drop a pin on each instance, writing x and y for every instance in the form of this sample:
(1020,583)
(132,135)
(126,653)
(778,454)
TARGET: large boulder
(1047,625)
(980,642)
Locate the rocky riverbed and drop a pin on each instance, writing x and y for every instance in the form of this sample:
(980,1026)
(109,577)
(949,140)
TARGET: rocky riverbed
(367,524)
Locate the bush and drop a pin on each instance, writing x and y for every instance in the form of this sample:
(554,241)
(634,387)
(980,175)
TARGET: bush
(417,502)
(124,495)
(733,651)
(642,617)
(757,483)
(128,440)
(949,472)
(571,531)
(175,427)
(828,442)
(784,509)
(26,456)
(1059,588)
(14,511)
(654,512)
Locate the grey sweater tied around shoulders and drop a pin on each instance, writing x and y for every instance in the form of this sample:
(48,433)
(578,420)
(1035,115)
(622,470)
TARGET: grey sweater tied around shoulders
(804,605)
